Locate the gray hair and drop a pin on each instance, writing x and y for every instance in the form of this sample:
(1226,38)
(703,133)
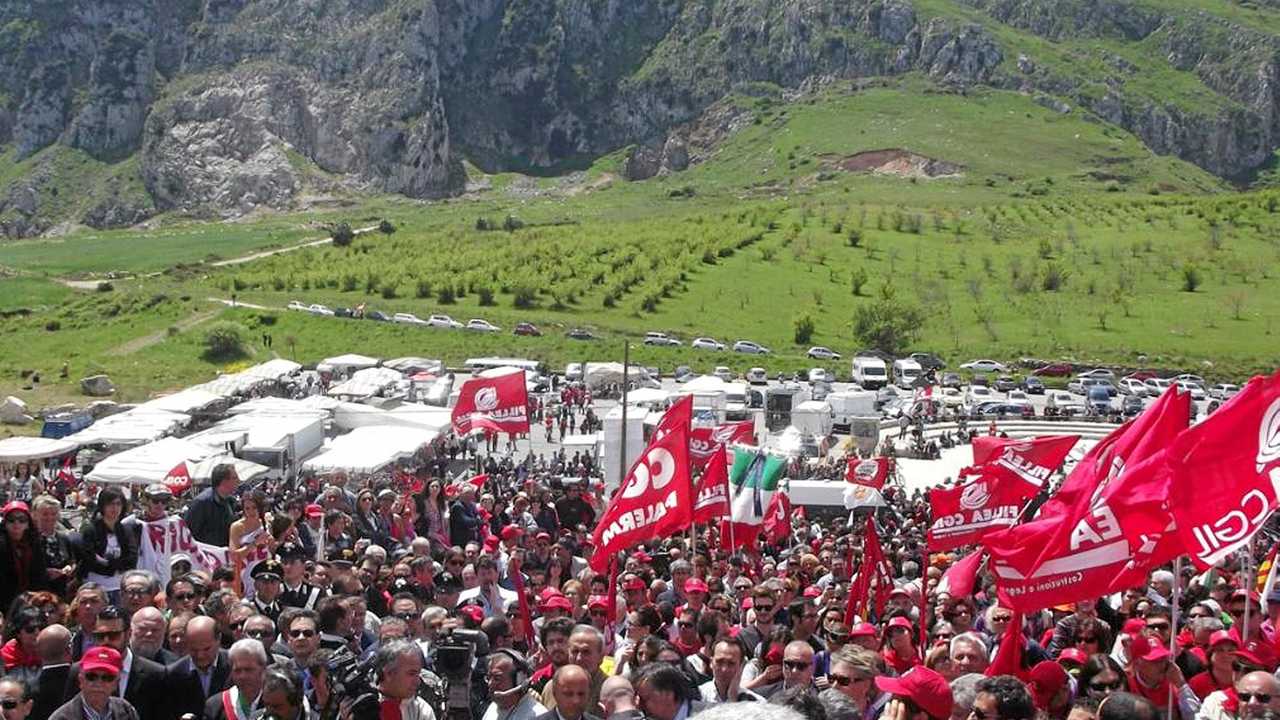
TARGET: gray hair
(970,637)
(1210,624)
(1162,576)
(251,648)
(283,678)
(390,654)
(749,711)
(681,566)
(434,612)
(153,582)
(838,706)
(589,630)
(964,689)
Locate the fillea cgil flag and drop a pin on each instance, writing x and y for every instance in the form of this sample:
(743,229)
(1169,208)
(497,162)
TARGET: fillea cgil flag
(497,403)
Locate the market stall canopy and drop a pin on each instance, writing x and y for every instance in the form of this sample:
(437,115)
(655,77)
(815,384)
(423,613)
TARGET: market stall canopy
(273,369)
(412,365)
(186,401)
(132,427)
(582,440)
(704,384)
(152,462)
(284,406)
(369,449)
(646,396)
(610,373)
(19,449)
(350,361)
(366,383)
(409,415)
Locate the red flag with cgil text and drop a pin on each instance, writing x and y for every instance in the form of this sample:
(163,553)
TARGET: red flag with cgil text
(705,441)
(656,497)
(711,497)
(962,515)
(1225,473)
(497,403)
(1031,461)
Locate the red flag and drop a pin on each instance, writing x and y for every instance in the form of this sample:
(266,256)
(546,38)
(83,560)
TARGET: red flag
(870,589)
(478,481)
(711,498)
(962,515)
(1008,659)
(1030,461)
(987,446)
(1077,548)
(704,441)
(517,580)
(960,579)
(66,475)
(1226,473)
(656,497)
(871,472)
(777,520)
(497,403)
(179,478)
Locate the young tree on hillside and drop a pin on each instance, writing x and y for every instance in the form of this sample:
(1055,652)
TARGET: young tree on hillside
(888,323)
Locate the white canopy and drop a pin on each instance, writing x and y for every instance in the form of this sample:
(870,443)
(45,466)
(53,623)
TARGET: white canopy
(18,449)
(131,427)
(582,440)
(410,365)
(369,449)
(280,406)
(350,361)
(203,471)
(366,382)
(185,401)
(606,373)
(273,369)
(499,371)
(704,383)
(148,463)
(409,415)
(645,396)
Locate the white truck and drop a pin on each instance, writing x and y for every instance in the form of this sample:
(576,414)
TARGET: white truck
(905,373)
(870,372)
(812,417)
(849,404)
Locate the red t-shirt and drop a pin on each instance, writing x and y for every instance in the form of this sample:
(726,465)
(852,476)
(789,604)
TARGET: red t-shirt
(1204,683)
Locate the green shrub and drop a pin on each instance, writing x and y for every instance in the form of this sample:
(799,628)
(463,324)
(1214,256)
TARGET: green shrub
(388,291)
(803,326)
(53,326)
(225,340)
(422,289)
(342,235)
(446,295)
(1191,278)
(386,228)
(486,297)
(524,297)
(105,286)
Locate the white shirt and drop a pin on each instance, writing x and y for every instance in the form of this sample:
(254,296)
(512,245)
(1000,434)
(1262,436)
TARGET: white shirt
(126,665)
(491,607)
(527,709)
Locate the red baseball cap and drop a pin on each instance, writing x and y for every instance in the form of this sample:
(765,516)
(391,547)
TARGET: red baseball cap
(557,602)
(14,506)
(899,591)
(314,510)
(1144,648)
(511,532)
(1221,636)
(543,536)
(633,583)
(641,556)
(694,584)
(926,688)
(597,601)
(899,622)
(1047,678)
(1073,655)
(101,658)
(813,591)
(472,611)
(862,630)
(1251,594)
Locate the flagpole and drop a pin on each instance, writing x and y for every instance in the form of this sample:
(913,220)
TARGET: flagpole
(626,370)
(1250,577)
(1173,619)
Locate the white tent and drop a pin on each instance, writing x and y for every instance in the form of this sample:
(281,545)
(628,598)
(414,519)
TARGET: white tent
(279,406)
(185,401)
(608,373)
(152,462)
(19,449)
(132,427)
(369,449)
(703,383)
(273,369)
(411,365)
(345,363)
(366,383)
(645,396)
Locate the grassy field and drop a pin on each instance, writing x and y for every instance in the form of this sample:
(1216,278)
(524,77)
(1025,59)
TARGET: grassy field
(1059,237)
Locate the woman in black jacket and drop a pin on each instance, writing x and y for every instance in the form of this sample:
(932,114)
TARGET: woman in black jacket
(21,559)
(107,548)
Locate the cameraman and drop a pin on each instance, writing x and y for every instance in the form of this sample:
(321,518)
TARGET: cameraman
(398,668)
(508,678)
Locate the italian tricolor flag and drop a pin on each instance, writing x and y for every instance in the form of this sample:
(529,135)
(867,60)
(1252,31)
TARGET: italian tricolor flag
(753,485)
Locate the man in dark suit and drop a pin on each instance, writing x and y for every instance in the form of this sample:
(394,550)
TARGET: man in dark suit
(141,681)
(99,680)
(664,693)
(54,646)
(572,688)
(248,665)
(203,673)
(146,636)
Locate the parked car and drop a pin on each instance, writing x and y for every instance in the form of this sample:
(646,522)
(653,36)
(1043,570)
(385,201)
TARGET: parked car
(1223,391)
(820,375)
(481,325)
(1053,370)
(758,376)
(1061,402)
(1142,374)
(660,339)
(1099,400)
(724,373)
(527,330)
(573,371)
(977,395)
(1005,383)
(1156,386)
(952,397)
(1188,377)
(706,343)
(951,380)
(1017,397)
(298,305)
(1197,392)
(750,348)
(1004,410)
(928,361)
(983,366)
(1131,405)
(443,321)
(344,312)
(580,334)
(318,309)
(980,381)
(377,316)
(823,353)
(1032,385)
(683,373)
(1097,373)
(1132,386)
(407,319)
(1082,386)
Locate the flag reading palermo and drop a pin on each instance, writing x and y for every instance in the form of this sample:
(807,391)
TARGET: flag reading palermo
(753,480)
(711,499)
(962,515)
(656,498)
(497,403)
(704,441)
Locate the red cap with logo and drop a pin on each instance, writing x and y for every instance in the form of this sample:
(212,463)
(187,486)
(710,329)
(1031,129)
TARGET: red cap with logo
(313,511)
(694,584)
(925,687)
(101,658)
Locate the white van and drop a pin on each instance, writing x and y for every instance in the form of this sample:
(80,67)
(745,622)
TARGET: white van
(850,404)
(870,372)
(905,372)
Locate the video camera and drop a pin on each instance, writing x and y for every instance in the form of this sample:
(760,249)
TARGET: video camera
(455,662)
(349,678)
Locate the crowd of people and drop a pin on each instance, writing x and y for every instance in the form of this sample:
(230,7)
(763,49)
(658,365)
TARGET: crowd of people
(356,597)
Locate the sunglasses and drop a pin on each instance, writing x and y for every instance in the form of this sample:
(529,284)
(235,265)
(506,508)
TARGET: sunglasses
(683,623)
(838,637)
(1001,618)
(1158,626)
(1101,686)
(8,704)
(99,677)
(135,592)
(18,520)
(796,664)
(105,635)
(32,629)
(259,634)
(302,633)
(843,680)
(1263,698)
(183,597)
(407,616)
(762,608)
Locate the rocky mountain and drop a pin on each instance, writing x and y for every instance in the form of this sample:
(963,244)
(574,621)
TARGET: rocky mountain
(114,110)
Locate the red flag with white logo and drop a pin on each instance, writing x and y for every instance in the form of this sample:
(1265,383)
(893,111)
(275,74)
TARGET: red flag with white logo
(1078,547)
(870,589)
(656,498)
(777,519)
(960,579)
(986,447)
(871,472)
(962,515)
(178,480)
(711,498)
(497,403)
(1225,473)
(705,441)
(1031,461)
